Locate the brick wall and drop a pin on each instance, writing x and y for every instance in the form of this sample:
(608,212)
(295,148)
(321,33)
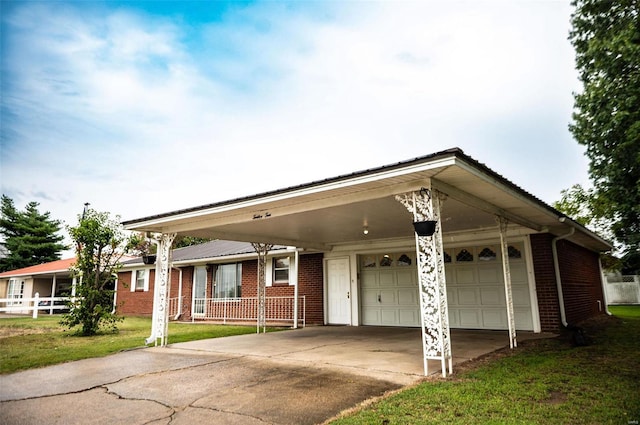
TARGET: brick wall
(581,281)
(580,276)
(310,284)
(139,303)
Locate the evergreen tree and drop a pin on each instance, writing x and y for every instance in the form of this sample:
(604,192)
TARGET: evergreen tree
(30,237)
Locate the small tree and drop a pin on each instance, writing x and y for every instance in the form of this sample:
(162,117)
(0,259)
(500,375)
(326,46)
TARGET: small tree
(100,245)
(30,237)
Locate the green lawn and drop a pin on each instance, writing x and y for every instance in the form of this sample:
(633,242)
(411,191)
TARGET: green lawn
(43,342)
(541,382)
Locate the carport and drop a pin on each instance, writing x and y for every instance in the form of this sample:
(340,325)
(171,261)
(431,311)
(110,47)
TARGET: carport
(373,210)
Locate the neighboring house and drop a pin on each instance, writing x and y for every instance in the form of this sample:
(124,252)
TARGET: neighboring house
(359,228)
(217,281)
(51,279)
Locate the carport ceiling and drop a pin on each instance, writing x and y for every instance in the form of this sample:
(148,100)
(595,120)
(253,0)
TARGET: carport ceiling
(336,211)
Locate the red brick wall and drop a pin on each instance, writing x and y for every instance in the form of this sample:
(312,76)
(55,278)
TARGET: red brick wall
(581,281)
(546,289)
(581,284)
(310,284)
(139,303)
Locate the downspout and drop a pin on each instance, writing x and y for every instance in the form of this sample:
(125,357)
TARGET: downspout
(177,316)
(603,281)
(556,267)
(295,290)
(115,296)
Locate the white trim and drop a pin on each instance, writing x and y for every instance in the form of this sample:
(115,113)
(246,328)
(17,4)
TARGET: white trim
(533,291)
(134,279)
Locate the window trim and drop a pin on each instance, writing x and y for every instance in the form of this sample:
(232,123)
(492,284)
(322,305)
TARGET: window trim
(134,280)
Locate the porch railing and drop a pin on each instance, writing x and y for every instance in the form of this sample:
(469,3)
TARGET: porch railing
(277,309)
(33,305)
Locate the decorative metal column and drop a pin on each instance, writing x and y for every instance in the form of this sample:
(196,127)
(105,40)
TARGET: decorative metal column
(434,312)
(262,250)
(160,317)
(502,224)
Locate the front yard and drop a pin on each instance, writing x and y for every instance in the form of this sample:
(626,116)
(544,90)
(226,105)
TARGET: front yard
(541,382)
(28,343)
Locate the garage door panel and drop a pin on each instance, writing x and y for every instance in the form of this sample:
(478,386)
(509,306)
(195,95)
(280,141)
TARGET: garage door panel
(520,296)
(467,296)
(523,318)
(469,318)
(489,275)
(371,316)
(494,318)
(387,279)
(369,280)
(388,298)
(369,297)
(407,277)
(465,276)
(408,296)
(389,317)
(409,317)
(518,274)
(491,296)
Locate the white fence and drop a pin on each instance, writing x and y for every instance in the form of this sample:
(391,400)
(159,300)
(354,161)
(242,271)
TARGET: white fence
(277,309)
(33,305)
(623,289)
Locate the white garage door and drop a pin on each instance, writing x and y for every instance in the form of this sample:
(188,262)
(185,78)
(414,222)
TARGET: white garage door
(389,290)
(475,289)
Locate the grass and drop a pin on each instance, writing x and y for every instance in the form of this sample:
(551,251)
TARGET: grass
(545,381)
(30,343)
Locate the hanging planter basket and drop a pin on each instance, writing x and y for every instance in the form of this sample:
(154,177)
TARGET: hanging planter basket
(425,228)
(149,259)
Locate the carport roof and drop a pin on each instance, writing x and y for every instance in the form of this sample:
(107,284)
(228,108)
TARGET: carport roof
(334,211)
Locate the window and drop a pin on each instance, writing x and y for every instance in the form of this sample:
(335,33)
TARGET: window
(228,281)
(199,289)
(487,254)
(281,270)
(464,256)
(140,280)
(15,291)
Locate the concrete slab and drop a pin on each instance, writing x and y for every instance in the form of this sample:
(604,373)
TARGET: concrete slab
(300,376)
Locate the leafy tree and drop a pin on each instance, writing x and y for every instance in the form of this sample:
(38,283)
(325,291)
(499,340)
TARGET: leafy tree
(606,118)
(183,241)
(100,245)
(30,237)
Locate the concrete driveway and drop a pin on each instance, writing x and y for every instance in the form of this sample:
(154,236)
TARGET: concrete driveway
(302,376)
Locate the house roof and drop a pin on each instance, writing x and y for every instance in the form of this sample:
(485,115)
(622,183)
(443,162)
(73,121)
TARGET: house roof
(208,251)
(59,266)
(326,213)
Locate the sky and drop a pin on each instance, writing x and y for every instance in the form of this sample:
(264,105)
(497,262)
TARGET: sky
(143,107)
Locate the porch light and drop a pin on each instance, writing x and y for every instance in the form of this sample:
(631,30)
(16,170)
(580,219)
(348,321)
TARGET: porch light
(365,231)
(425,228)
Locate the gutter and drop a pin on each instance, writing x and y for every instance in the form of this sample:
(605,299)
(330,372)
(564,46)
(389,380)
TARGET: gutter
(177,316)
(556,268)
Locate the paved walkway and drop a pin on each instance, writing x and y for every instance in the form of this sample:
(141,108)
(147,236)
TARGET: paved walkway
(302,377)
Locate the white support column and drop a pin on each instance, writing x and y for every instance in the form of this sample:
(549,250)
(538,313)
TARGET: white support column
(295,289)
(436,338)
(502,224)
(53,293)
(160,317)
(262,250)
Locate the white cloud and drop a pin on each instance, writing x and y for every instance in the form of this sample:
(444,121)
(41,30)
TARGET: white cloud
(141,114)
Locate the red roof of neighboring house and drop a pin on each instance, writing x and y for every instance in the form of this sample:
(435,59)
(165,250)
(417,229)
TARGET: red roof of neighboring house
(51,267)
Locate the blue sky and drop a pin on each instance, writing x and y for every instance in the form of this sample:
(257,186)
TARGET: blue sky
(147,107)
